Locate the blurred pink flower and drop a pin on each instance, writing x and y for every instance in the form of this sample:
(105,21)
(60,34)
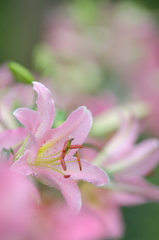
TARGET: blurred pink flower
(18,203)
(100,216)
(137,58)
(128,163)
(47,153)
(62,34)
(86,225)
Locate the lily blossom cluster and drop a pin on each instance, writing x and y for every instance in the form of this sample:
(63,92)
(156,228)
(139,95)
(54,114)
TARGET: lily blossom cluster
(51,155)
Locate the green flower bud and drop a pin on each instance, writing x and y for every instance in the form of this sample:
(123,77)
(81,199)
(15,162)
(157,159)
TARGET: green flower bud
(20,73)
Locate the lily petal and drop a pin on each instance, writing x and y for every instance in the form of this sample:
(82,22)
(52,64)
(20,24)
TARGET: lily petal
(114,226)
(28,118)
(122,142)
(125,138)
(46,108)
(126,199)
(139,186)
(67,186)
(10,138)
(77,126)
(140,161)
(21,166)
(33,146)
(89,173)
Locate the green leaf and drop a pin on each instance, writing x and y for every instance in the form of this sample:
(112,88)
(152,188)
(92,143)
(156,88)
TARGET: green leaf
(20,73)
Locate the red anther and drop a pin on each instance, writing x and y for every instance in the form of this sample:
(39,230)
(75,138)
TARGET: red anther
(65,146)
(76,146)
(79,160)
(67,176)
(63,163)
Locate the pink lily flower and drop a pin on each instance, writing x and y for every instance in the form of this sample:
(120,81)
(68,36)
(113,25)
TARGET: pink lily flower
(128,163)
(48,153)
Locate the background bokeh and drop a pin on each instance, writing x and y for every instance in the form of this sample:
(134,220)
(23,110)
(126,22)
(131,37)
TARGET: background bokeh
(21,27)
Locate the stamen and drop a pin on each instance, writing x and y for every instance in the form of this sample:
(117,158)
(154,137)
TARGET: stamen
(64,152)
(65,147)
(79,160)
(63,163)
(76,146)
(69,142)
(67,176)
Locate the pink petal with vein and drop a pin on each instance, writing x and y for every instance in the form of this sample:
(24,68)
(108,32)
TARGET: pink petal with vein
(46,108)
(142,160)
(77,126)
(90,172)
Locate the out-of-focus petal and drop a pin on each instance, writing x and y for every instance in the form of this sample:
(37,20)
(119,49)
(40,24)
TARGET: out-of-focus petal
(127,199)
(88,220)
(114,226)
(139,186)
(67,186)
(122,142)
(10,138)
(140,161)
(124,139)
(46,108)
(28,118)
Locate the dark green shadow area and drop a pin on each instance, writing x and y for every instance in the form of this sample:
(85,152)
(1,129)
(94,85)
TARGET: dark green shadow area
(142,222)
(20,28)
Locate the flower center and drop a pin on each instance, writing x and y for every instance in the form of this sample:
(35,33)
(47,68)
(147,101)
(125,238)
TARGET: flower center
(53,159)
